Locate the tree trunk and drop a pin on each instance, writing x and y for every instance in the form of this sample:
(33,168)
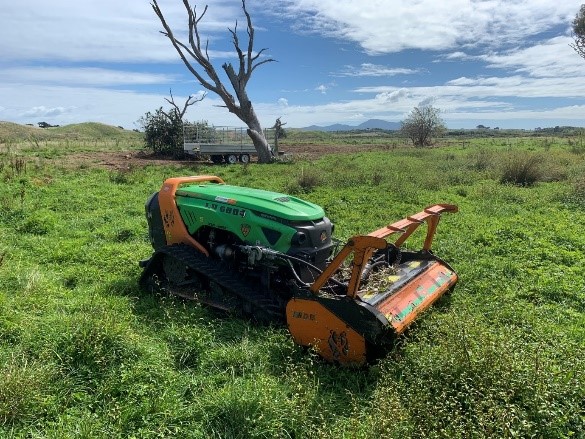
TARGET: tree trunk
(262,147)
(245,112)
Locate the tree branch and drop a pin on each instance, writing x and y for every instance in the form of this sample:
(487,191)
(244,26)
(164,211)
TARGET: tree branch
(194,51)
(579,47)
(191,100)
(579,32)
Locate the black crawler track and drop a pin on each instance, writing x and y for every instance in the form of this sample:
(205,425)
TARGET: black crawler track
(250,301)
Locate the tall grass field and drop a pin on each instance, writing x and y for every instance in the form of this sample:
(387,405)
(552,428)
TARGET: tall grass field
(84,353)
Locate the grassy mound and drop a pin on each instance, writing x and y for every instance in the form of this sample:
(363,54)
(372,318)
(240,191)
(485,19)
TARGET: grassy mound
(13,132)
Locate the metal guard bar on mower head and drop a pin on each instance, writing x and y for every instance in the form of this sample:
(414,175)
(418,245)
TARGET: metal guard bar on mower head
(363,247)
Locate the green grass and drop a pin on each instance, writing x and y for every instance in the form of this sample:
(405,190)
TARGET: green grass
(37,144)
(85,353)
(82,131)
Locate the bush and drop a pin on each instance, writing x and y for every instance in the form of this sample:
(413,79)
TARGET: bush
(122,175)
(90,346)
(522,169)
(578,188)
(24,390)
(422,124)
(39,222)
(481,160)
(163,132)
(304,183)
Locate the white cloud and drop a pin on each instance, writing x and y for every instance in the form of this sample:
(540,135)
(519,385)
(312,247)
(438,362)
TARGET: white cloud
(462,81)
(110,34)
(453,111)
(387,26)
(201,94)
(427,101)
(456,56)
(61,105)
(566,112)
(322,89)
(43,111)
(81,76)
(491,87)
(107,30)
(551,58)
(392,96)
(374,70)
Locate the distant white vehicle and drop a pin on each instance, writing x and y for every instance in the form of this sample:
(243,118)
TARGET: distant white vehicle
(222,144)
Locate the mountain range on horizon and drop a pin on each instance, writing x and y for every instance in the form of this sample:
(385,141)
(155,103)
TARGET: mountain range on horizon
(369,124)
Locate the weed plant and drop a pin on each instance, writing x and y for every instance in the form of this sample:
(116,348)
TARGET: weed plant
(522,169)
(85,353)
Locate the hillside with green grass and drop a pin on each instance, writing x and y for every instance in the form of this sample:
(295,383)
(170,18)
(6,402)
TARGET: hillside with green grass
(85,353)
(90,131)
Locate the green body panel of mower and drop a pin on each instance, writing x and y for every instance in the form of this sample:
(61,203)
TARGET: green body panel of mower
(280,205)
(222,217)
(256,217)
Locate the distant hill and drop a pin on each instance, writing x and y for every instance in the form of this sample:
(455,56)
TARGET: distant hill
(10,131)
(379,124)
(370,124)
(336,127)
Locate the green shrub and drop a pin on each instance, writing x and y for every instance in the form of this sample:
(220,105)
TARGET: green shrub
(188,345)
(39,222)
(306,182)
(578,188)
(478,382)
(577,146)
(121,175)
(481,160)
(522,169)
(24,390)
(88,347)
(163,132)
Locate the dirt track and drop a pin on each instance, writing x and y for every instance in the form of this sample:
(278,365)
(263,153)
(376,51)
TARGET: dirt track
(137,159)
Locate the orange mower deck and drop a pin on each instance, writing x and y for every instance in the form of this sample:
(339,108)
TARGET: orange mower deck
(362,323)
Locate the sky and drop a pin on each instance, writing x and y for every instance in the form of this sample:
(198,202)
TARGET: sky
(498,63)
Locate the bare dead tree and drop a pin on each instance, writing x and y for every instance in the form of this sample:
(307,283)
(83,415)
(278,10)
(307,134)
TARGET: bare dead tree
(180,113)
(579,32)
(194,54)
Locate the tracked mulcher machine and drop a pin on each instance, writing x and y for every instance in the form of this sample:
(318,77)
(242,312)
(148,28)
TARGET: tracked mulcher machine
(271,257)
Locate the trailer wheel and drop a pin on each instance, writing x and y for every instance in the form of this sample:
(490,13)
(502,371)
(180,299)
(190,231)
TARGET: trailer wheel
(231,159)
(217,159)
(245,158)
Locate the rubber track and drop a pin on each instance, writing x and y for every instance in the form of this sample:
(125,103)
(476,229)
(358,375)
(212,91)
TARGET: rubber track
(220,273)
